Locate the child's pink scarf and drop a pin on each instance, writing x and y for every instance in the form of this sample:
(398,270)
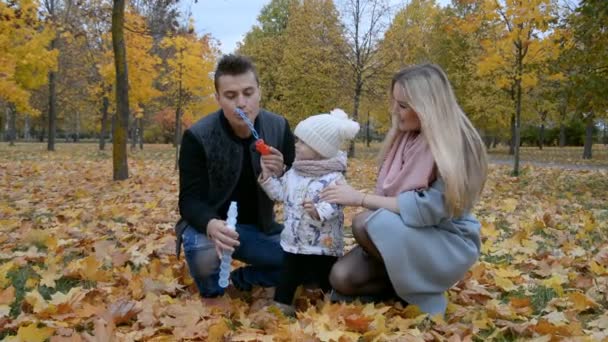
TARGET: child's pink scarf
(409,165)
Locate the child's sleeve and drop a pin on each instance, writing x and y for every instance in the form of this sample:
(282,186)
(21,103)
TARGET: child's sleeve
(326,210)
(274,187)
(423,208)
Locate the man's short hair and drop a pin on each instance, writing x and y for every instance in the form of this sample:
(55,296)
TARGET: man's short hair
(233,65)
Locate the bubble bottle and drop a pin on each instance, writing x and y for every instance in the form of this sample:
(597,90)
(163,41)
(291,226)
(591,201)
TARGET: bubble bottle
(226,261)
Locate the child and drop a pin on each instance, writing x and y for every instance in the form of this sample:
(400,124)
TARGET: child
(312,237)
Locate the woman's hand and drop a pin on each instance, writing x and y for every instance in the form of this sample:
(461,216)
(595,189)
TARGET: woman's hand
(342,193)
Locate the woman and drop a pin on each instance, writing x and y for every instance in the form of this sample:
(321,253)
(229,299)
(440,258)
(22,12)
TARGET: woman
(418,237)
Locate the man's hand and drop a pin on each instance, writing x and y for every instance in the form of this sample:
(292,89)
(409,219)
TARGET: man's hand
(225,238)
(310,208)
(273,162)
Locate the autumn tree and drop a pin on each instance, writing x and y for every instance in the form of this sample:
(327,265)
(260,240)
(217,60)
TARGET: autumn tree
(589,23)
(265,44)
(24,57)
(407,41)
(119,151)
(311,74)
(57,14)
(143,69)
(188,75)
(520,50)
(455,46)
(364,23)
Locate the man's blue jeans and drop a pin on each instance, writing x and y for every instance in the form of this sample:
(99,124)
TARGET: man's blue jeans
(262,253)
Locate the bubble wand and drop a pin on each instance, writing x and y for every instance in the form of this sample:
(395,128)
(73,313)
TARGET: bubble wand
(260,145)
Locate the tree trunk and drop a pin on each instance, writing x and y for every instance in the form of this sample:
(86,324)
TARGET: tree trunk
(26,128)
(42,132)
(134,133)
(77,130)
(541,136)
(5,124)
(104,122)
(112,127)
(512,142)
(367,137)
(178,120)
(562,134)
(517,110)
(119,148)
(141,133)
(52,104)
(356,102)
(605,132)
(12,125)
(587,151)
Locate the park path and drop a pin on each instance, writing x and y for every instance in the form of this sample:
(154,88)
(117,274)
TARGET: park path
(499,160)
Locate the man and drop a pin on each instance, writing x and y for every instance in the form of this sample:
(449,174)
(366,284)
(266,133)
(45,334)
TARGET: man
(219,164)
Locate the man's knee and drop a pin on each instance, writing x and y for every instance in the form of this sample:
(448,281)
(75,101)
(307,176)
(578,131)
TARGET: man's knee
(203,262)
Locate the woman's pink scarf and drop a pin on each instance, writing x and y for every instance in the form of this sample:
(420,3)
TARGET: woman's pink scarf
(409,165)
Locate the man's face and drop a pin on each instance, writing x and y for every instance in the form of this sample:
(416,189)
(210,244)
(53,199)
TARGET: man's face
(238,91)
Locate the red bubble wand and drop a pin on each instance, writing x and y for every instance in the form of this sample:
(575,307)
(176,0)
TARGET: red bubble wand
(260,146)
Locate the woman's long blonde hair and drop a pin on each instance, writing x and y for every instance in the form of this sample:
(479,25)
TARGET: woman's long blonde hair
(457,148)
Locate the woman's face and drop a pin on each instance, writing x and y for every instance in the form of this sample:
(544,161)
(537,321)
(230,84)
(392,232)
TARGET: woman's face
(407,119)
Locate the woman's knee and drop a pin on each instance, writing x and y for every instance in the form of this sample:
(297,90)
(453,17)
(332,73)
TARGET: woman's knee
(359,226)
(340,278)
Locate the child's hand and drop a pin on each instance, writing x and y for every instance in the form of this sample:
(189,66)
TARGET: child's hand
(273,162)
(310,208)
(265,171)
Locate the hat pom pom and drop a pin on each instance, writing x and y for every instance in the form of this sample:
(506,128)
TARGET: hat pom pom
(339,114)
(348,127)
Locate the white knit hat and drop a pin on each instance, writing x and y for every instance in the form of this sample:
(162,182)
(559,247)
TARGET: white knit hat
(325,133)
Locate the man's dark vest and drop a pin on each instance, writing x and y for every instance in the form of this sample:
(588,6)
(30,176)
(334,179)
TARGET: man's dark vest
(224,157)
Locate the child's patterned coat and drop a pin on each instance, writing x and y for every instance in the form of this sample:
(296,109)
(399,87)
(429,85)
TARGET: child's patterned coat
(303,234)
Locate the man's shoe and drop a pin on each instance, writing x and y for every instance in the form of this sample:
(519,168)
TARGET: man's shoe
(235,293)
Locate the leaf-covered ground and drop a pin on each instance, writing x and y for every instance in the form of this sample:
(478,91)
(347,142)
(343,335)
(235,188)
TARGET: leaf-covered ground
(86,258)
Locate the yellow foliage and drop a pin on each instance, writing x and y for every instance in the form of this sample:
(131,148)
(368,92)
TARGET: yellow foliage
(24,56)
(142,65)
(188,73)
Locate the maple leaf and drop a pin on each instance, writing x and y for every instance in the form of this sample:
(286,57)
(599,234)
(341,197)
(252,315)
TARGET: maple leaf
(217,331)
(7,295)
(581,302)
(88,268)
(50,275)
(4,311)
(32,333)
(121,311)
(102,332)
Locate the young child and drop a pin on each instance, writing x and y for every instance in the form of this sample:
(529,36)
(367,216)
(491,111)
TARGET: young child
(312,236)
